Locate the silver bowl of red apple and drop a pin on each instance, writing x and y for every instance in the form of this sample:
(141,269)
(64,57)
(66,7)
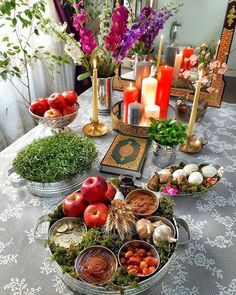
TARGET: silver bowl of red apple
(57,111)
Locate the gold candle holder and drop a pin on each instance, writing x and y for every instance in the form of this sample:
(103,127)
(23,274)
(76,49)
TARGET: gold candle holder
(192,144)
(95,128)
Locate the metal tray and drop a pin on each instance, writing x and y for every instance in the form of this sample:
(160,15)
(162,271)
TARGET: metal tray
(48,190)
(220,174)
(118,124)
(80,287)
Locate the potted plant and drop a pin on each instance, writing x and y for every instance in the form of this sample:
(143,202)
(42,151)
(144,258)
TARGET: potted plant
(166,135)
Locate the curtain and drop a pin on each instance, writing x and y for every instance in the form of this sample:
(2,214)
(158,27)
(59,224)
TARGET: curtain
(14,117)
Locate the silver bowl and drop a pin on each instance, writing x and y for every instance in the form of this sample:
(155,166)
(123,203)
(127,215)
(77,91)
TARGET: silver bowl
(142,191)
(87,253)
(59,122)
(142,244)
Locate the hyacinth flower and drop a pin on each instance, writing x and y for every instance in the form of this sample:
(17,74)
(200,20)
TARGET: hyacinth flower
(118,28)
(87,39)
(170,190)
(145,29)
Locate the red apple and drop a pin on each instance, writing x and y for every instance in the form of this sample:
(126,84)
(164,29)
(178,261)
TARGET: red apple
(111,191)
(56,101)
(52,113)
(70,97)
(74,205)
(94,189)
(68,110)
(39,106)
(95,215)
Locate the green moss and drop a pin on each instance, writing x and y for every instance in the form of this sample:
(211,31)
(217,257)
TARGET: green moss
(166,207)
(55,158)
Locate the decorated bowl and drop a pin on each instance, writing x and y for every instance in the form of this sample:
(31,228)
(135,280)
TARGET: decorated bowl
(57,122)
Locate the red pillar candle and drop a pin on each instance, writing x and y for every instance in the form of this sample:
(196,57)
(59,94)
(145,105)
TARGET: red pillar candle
(164,77)
(130,95)
(187,52)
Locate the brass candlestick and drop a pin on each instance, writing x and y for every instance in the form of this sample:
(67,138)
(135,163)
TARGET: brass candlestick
(193,144)
(95,129)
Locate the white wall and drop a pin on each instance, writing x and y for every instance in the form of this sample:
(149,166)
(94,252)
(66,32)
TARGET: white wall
(201,21)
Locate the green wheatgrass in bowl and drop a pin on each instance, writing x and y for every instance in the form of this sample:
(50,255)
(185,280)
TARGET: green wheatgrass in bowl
(54,158)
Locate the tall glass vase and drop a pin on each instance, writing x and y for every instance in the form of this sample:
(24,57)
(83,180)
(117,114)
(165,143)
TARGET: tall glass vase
(105,95)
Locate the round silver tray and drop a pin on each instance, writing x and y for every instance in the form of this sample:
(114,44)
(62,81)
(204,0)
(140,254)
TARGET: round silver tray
(80,287)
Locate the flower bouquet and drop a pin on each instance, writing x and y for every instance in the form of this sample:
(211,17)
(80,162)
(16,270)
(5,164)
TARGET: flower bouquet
(111,40)
(204,59)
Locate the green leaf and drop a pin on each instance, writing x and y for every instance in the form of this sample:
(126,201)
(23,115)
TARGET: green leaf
(5,39)
(14,21)
(4,75)
(83,76)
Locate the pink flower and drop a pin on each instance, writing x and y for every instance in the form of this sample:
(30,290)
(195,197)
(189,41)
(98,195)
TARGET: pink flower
(193,59)
(79,20)
(214,64)
(118,28)
(223,69)
(170,190)
(203,52)
(211,89)
(204,80)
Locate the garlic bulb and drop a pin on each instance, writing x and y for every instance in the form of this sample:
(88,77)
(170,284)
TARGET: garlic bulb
(162,233)
(195,178)
(178,172)
(144,229)
(209,171)
(190,168)
(119,196)
(165,175)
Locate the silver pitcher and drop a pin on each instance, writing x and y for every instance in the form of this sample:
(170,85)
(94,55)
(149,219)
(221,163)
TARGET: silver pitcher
(165,155)
(105,95)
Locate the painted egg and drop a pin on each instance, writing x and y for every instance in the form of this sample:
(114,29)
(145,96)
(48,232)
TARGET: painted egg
(195,178)
(209,171)
(190,168)
(178,172)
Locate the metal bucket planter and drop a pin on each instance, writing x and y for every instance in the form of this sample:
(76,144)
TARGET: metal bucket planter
(164,154)
(54,189)
(80,287)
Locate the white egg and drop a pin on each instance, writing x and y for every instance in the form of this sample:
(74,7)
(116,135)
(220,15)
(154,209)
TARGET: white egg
(195,178)
(190,168)
(209,171)
(178,172)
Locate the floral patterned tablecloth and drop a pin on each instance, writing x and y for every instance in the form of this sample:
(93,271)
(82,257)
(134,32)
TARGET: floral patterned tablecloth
(206,267)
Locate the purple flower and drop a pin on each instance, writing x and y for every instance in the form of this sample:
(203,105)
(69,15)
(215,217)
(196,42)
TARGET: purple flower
(145,29)
(170,190)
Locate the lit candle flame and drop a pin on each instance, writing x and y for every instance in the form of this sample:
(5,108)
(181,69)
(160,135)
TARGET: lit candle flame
(130,85)
(166,66)
(95,63)
(151,3)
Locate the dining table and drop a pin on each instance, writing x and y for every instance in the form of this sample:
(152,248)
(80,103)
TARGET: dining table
(205,266)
